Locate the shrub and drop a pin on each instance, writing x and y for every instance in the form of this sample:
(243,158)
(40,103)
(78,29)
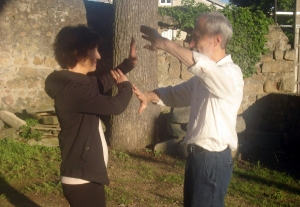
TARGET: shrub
(27,133)
(249,28)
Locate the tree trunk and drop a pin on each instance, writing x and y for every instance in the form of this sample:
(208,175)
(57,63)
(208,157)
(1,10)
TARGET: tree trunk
(131,130)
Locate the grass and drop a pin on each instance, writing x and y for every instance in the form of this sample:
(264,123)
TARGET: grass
(29,176)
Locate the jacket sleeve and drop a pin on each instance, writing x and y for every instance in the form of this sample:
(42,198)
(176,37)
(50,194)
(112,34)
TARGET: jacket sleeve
(105,82)
(85,98)
(126,66)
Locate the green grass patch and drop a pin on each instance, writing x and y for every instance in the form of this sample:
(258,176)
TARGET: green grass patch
(260,186)
(137,178)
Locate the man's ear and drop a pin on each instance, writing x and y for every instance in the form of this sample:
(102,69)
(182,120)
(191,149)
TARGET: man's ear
(217,40)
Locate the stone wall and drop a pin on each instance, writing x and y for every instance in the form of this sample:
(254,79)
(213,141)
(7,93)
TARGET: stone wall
(27,31)
(271,88)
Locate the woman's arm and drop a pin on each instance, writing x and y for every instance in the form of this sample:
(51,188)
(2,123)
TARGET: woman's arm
(106,81)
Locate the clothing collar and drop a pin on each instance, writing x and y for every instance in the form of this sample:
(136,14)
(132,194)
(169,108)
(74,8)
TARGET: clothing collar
(225,60)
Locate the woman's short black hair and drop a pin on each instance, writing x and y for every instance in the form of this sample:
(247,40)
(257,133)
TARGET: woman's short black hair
(72,44)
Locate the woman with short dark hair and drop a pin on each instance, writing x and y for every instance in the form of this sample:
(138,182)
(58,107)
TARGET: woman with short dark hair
(79,100)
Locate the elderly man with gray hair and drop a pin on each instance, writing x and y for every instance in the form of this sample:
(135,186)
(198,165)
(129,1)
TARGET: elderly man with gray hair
(214,94)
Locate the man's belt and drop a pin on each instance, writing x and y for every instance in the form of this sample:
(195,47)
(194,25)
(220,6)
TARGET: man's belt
(194,149)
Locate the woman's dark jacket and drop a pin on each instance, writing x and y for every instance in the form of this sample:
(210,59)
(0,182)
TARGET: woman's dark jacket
(78,104)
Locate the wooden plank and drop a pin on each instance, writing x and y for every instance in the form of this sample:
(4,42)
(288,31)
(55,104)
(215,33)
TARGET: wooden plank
(40,109)
(36,116)
(45,128)
(49,120)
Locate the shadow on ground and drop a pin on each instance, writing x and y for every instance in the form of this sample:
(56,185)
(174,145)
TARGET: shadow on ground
(13,196)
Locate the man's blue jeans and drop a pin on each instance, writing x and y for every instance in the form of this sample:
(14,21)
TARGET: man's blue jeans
(207,176)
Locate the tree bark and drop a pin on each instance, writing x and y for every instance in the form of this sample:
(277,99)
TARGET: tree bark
(131,130)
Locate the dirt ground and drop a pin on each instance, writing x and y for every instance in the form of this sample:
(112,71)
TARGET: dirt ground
(137,179)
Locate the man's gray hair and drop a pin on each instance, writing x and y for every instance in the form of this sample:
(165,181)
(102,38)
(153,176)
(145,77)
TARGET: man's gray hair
(217,23)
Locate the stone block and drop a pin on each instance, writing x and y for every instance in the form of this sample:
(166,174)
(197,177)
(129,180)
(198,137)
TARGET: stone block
(282,45)
(277,66)
(185,74)
(11,119)
(180,115)
(35,82)
(240,124)
(50,62)
(270,86)
(26,72)
(257,78)
(253,88)
(172,146)
(267,57)
(240,111)
(276,39)
(176,129)
(4,61)
(8,100)
(287,85)
(9,133)
(248,101)
(17,83)
(37,61)
(290,55)
(48,142)
(278,54)
(32,142)
(175,69)
(161,59)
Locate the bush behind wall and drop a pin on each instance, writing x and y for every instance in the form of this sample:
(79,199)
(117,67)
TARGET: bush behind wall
(250,30)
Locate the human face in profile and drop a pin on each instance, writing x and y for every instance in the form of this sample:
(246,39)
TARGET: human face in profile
(201,41)
(90,62)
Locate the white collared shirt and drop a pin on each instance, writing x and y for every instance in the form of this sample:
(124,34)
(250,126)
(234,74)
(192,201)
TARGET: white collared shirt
(215,94)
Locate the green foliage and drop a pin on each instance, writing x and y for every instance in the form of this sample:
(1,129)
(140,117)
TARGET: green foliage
(171,178)
(249,28)
(120,155)
(263,5)
(22,161)
(27,133)
(264,187)
(249,37)
(28,170)
(186,15)
(268,8)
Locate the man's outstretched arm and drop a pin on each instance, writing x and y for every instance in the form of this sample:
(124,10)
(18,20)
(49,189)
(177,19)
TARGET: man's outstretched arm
(145,98)
(158,42)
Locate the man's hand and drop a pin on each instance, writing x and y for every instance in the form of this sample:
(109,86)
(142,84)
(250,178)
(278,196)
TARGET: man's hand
(132,53)
(118,76)
(142,97)
(153,36)
(158,42)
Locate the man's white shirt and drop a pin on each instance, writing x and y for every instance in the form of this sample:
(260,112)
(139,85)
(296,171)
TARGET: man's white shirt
(215,94)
